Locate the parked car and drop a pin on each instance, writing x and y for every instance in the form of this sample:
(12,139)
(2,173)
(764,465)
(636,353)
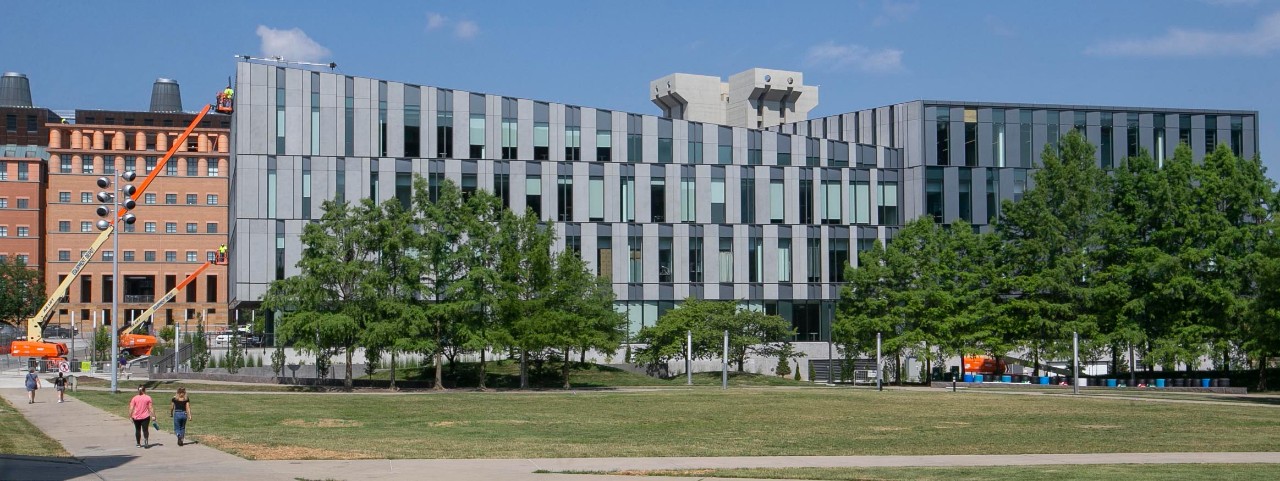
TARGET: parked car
(58,332)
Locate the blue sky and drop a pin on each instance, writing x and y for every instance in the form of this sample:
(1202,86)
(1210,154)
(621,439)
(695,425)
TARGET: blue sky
(1174,53)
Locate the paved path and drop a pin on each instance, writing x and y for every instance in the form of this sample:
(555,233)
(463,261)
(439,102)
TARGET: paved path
(101,446)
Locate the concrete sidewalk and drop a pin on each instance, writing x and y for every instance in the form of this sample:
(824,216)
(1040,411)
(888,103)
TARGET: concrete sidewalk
(101,445)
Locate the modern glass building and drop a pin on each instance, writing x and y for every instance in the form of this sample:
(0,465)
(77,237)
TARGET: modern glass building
(666,208)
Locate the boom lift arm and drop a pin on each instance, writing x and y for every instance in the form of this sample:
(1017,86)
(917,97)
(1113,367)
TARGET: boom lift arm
(141,344)
(35,346)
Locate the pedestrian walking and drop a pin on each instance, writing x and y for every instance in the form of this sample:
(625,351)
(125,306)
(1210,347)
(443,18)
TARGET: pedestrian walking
(180,411)
(33,383)
(60,383)
(142,413)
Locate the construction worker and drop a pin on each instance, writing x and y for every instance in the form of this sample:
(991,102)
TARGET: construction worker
(228,92)
(222,253)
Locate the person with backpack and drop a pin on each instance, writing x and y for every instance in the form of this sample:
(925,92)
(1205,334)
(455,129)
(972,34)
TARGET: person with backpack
(60,383)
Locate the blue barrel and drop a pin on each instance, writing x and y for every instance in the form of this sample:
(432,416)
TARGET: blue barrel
(1006,378)
(977,378)
(1111,383)
(1159,382)
(968,378)
(1204,383)
(1044,380)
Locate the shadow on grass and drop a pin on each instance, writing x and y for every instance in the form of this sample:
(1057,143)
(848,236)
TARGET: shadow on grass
(505,374)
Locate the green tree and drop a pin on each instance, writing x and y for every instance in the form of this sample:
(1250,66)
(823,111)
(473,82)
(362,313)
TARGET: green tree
(581,313)
(199,347)
(234,358)
(392,287)
(525,276)
(277,359)
(1049,236)
(21,292)
(753,332)
(438,212)
(102,343)
(665,340)
(483,329)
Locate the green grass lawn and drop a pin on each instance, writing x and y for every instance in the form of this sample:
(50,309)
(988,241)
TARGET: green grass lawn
(708,422)
(1127,472)
(19,436)
(171,385)
(506,374)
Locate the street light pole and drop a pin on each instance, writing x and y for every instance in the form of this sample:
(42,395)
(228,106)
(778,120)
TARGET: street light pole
(114,224)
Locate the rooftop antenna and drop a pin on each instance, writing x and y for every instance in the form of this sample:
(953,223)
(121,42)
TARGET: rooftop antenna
(279,59)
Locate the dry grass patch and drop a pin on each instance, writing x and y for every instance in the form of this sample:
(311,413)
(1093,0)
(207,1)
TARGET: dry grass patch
(276,453)
(322,423)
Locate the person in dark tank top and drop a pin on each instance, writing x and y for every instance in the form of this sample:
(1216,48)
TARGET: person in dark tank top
(180,411)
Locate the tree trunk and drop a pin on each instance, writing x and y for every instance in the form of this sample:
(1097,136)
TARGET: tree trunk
(393,369)
(524,369)
(1262,374)
(565,368)
(482,387)
(897,368)
(347,382)
(439,384)
(1226,360)
(583,355)
(1035,359)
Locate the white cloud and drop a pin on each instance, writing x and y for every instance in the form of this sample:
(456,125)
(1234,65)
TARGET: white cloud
(462,29)
(837,57)
(435,20)
(466,30)
(291,44)
(1263,39)
(895,12)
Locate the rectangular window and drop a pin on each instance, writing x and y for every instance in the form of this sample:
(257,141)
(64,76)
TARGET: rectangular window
(628,204)
(86,288)
(510,139)
(193,228)
(635,257)
(128,256)
(533,194)
(1052,131)
(171,199)
(4,231)
(838,257)
(475,136)
(943,144)
(1184,129)
(595,197)
(1019,184)
(888,203)
(755,259)
(1106,148)
(280,262)
(860,202)
(211,227)
(1024,138)
(108,165)
(171,168)
(412,122)
(11,123)
(150,165)
(171,227)
(315,113)
(24,231)
(340,188)
(193,167)
(726,259)
(149,256)
(695,143)
(148,198)
(997,137)
(657,199)
(191,256)
(695,259)
(784,259)
(830,202)
(664,259)
(635,141)
(573,142)
(971,137)
(23,173)
(1237,135)
(688,200)
(23,203)
(64,256)
(171,256)
(271,187)
(724,148)
(806,201)
(148,227)
(382,119)
(306,187)
(444,127)
(541,141)
(501,188)
(211,199)
(1210,133)
(933,194)
(993,197)
(564,198)
(1132,124)
(604,256)
(212,168)
(755,153)
(404,192)
(573,243)
(604,138)
(86,164)
(784,149)
(777,200)
(717,201)
(64,164)
(64,226)
(64,197)
(748,198)
(812,151)
(813,256)
(966,195)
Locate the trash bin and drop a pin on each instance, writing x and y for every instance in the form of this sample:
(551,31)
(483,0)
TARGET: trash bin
(1224,382)
(1006,378)
(1111,383)
(1044,380)
(977,378)
(1159,382)
(86,366)
(75,365)
(1084,381)
(968,378)
(1204,383)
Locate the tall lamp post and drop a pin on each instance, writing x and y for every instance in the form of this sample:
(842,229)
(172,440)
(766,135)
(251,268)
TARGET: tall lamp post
(111,209)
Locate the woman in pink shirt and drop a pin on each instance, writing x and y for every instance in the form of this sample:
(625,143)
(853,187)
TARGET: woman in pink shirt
(141,412)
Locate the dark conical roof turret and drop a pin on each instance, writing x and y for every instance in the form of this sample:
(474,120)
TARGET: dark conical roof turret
(165,96)
(15,90)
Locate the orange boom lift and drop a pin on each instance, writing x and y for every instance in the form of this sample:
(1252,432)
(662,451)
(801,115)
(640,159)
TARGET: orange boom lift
(35,346)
